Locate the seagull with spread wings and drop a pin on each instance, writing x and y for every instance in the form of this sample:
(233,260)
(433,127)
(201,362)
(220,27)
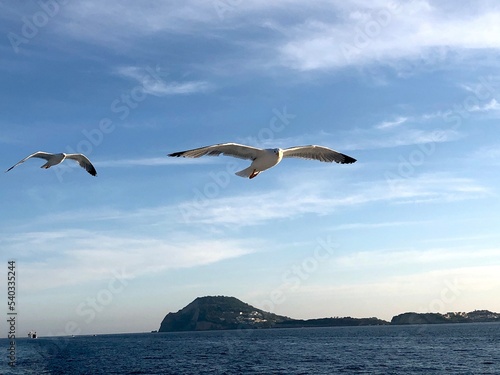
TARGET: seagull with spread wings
(54,159)
(263,159)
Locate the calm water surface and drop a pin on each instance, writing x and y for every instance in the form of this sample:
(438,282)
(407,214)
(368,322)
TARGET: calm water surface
(423,349)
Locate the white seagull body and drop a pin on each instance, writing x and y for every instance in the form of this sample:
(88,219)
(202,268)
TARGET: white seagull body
(263,159)
(54,159)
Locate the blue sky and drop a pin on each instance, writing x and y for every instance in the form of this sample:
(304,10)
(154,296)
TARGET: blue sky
(410,89)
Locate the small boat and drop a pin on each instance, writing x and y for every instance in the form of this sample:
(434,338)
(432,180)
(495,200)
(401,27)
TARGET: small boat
(32,334)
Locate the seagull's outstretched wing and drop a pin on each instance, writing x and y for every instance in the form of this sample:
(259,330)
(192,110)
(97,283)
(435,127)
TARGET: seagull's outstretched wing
(317,153)
(229,149)
(84,162)
(39,154)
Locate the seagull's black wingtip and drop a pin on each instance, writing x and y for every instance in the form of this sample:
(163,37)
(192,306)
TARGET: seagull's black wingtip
(176,154)
(348,160)
(351,160)
(92,171)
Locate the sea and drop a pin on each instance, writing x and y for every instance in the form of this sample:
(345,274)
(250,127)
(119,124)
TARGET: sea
(471,348)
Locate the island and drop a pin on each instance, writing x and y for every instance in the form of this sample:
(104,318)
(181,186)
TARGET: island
(227,313)
(220,313)
(477,316)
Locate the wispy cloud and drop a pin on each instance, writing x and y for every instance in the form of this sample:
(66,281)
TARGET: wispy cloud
(302,199)
(492,105)
(97,22)
(390,224)
(149,162)
(489,155)
(154,84)
(368,139)
(93,255)
(429,256)
(325,35)
(436,188)
(392,124)
(289,202)
(175,88)
(384,32)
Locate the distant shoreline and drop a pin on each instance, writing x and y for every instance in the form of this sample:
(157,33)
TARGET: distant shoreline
(98,335)
(214,313)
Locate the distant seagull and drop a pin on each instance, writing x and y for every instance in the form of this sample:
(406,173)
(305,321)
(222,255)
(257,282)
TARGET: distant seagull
(263,159)
(54,159)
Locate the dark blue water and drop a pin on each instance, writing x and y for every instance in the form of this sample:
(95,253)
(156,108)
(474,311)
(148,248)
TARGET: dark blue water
(424,349)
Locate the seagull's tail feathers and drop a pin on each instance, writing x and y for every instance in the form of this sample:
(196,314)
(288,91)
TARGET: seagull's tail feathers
(249,172)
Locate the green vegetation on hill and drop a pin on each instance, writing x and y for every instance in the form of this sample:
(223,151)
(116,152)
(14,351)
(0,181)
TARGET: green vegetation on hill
(219,312)
(477,316)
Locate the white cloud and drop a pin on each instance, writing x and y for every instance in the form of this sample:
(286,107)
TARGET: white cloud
(117,24)
(154,84)
(211,215)
(429,188)
(391,224)
(430,256)
(302,198)
(75,257)
(367,139)
(323,35)
(487,155)
(392,124)
(149,162)
(175,88)
(492,105)
(387,32)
